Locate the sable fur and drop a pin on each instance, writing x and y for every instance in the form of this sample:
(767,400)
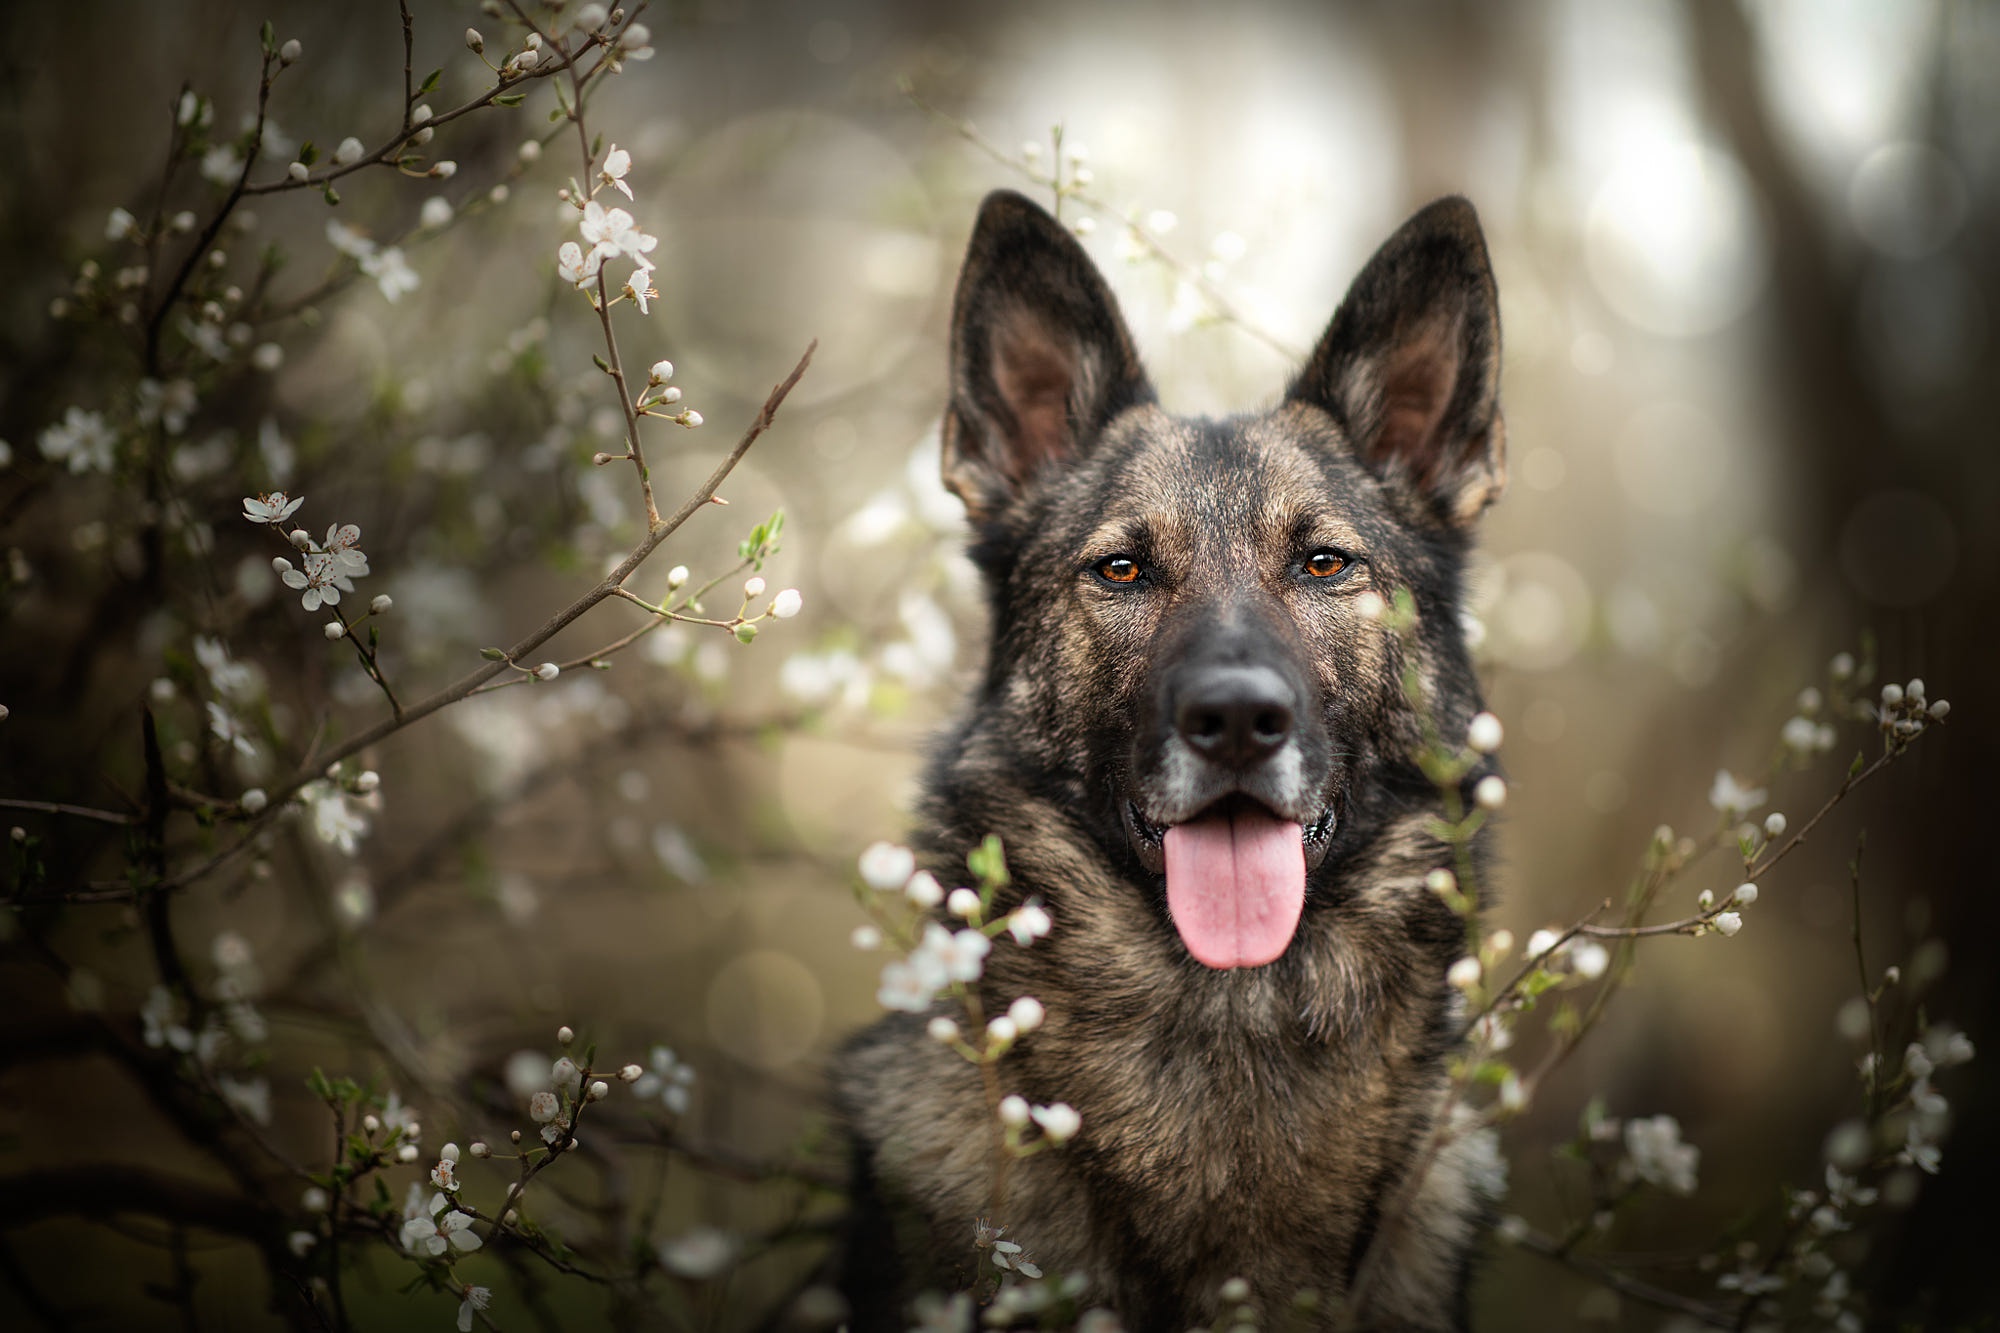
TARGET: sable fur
(1256,1123)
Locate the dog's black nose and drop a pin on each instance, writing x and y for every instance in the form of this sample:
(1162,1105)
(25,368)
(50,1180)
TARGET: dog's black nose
(1235,715)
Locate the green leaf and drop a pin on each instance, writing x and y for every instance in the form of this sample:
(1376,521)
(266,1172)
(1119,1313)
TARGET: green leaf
(267,34)
(308,152)
(430,81)
(1854,769)
(988,862)
(510,99)
(555,115)
(600,363)
(332,195)
(493,654)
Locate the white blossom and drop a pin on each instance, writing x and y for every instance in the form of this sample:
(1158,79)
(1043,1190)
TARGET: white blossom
(80,439)
(1027,1013)
(670,1079)
(701,1253)
(616,163)
(1731,798)
(230,731)
(613,232)
(1728,922)
(1658,1155)
(119,224)
(476,1298)
(787,604)
(435,213)
(1059,1121)
(441,1228)
(575,267)
(885,866)
(391,272)
(924,890)
(905,987)
(1028,922)
(222,164)
(961,954)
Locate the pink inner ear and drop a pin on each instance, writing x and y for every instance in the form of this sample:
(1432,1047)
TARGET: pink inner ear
(1417,383)
(1034,377)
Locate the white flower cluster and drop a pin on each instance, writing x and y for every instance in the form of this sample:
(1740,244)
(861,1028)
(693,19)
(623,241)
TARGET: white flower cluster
(1929,1111)
(329,569)
(385,264)
(611,234)
(81,440)
(1655,1154)
(670,1079)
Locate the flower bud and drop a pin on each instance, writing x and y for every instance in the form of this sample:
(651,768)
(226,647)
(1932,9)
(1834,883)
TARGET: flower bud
(1491,793)
(924,890)
(1464,974)
(1728,922)
(753,587)
(474,42)
(367,781)
(787,604)
(676,576)
(1774,825)
(1027,1013)
(254,801)
(866,937)
(942,1029)
(1940,710)
(407,1153)
(449,1152)
(661,372)
(300,538)
(1002,1031)
(1013,1110)
(1484,734)
(565,1034)
(529,151)
(547,671)
(335,630)
(445,170)
(689,418)
(598,1090)
(380,606)
(1892,695)
(298,171)
(630,1074)
(963,903)
(478,1149)
(1746,894)
(290,52)
(348,153)
(370,1124)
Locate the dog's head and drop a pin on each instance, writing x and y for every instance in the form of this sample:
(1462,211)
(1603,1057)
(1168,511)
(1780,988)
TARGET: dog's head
(1184,639)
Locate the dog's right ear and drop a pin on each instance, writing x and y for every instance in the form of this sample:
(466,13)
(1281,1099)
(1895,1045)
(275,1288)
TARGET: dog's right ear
(1040,357)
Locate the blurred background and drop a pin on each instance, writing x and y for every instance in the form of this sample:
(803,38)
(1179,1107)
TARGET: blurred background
(1748,274)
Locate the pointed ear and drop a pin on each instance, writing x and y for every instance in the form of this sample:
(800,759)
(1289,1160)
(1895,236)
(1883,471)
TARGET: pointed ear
(1410,365)
(1040,358)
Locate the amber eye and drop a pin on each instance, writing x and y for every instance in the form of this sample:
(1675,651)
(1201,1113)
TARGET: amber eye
(1325,564)
(1118,569)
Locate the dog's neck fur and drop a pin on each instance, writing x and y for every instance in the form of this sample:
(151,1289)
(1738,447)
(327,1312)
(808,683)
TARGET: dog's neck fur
(1253,1152)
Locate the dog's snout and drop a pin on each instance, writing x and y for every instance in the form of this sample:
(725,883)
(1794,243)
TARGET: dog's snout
(1235,715)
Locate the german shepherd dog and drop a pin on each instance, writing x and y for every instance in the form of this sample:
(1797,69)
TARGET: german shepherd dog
(1194,741)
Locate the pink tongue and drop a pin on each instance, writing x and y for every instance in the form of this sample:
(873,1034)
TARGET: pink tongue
(1235,887)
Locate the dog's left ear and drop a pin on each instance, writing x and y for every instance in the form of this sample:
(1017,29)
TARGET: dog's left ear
(1040,357)
(1410,365)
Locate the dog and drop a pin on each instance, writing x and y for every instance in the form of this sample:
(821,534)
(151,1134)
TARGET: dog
(1194,740)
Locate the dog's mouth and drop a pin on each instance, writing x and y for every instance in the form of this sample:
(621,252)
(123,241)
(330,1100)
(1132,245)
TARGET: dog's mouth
(1236,876)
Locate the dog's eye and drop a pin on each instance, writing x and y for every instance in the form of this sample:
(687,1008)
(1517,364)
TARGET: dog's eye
(1118,569)
(1324,564)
